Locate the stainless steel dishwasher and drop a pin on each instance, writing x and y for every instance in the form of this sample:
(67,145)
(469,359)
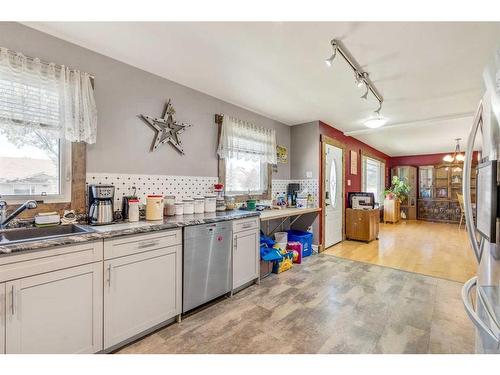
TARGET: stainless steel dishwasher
(207,263)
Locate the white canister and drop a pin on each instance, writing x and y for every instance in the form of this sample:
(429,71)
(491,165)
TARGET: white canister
(188,206)
(199,205)
(169,202)
(210,202)
(179,208)
(154,207)
(133,210)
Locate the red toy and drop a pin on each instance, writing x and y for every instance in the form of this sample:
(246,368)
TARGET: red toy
(296,247)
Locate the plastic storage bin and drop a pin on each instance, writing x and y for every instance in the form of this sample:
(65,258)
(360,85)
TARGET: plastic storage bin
(305,238)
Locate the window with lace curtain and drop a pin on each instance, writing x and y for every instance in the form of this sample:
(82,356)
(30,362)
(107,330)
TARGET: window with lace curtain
(373,177)
(246,152)
(43,109)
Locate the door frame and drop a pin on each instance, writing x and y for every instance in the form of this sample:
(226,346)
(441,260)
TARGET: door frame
(325,140)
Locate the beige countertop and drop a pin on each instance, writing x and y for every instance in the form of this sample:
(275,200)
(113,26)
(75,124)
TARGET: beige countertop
(286,212)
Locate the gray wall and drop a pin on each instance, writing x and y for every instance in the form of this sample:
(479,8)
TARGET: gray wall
(304,155)
(122,93)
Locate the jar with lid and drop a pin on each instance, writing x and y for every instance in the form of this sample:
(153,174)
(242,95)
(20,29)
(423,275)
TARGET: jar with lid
(210,203)
(188,206)
(169,209)
(179,208)
(133,210)
(154,207)
(199,205)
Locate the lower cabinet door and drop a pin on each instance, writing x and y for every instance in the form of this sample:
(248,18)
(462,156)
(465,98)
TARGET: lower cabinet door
(55,312)
(141,291)
(2,318)
(245,257)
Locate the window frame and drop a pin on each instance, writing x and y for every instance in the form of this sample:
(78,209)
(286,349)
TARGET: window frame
(65,180)
(266,195)
(383,176)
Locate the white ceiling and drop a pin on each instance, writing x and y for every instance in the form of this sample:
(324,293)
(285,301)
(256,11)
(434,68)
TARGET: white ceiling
(424,70)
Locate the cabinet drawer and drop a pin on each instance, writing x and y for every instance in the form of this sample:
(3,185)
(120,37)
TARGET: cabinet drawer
(33,263)
(246,224)
(129,245)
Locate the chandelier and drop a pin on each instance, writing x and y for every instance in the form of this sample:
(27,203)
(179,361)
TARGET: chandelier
(457,156)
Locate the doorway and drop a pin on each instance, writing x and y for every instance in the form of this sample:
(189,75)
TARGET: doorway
(333,187)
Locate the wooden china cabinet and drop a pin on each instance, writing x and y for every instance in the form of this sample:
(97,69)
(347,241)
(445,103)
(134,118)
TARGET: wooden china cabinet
(437,193)
(409,204)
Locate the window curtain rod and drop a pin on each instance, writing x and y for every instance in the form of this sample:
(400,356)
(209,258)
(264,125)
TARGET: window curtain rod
(58,66)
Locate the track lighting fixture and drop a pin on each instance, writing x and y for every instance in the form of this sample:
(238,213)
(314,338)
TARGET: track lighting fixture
(361,77)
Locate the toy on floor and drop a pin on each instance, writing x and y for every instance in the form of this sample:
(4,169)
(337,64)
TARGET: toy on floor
(296,248)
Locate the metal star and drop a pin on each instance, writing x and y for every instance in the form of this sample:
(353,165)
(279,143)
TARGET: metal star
(166,128)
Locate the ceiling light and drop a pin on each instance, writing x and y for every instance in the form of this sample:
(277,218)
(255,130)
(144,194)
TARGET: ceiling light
(375,122)
(329,61)
(457,155)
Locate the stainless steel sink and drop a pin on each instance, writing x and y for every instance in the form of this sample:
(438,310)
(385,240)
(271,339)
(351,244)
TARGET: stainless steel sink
(32,234)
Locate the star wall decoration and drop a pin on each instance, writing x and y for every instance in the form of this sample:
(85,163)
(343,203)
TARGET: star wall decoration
(166,128)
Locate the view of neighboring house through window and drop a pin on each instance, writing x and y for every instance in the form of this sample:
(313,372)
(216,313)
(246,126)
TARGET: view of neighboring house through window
(29,163)
(373,177)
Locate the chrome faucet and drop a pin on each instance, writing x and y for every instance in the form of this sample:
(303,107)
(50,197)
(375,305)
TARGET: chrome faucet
(3,211)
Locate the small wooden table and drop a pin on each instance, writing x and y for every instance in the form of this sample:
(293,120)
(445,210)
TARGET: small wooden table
(362,225)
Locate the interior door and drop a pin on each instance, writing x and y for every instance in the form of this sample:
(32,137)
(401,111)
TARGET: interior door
(334,193)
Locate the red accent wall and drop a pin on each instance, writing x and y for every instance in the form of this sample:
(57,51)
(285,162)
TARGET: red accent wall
(354,145)
(420,160)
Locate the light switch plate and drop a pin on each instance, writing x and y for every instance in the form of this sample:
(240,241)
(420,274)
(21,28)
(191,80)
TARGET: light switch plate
(348,182)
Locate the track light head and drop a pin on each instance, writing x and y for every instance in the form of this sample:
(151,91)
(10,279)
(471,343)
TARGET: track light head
(329,61)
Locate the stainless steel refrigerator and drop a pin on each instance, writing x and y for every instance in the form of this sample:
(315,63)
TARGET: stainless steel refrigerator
(481,294)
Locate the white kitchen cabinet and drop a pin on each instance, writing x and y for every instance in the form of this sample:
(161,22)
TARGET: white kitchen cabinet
(2,318)
(55,312)
(141,291)
(246,256)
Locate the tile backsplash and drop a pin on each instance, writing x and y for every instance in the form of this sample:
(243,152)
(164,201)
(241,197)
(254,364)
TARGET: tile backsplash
(180,186)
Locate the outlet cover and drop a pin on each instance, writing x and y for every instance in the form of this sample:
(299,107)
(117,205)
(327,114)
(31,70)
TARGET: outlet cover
(348,182)
(309,174)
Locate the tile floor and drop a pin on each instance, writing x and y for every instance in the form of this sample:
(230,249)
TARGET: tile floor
(326,305)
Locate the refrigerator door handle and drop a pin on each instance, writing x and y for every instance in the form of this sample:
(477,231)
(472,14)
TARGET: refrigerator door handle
(469,217)
(469,308)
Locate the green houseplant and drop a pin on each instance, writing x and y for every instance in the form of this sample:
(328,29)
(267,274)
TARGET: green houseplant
(399,189)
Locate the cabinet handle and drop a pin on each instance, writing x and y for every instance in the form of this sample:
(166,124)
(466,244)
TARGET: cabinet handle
(247,226)
(13,300)
(109,274)
(235,243)
(148,244)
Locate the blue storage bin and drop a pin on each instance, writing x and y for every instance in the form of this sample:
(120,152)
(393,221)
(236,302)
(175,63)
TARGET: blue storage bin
(305,238)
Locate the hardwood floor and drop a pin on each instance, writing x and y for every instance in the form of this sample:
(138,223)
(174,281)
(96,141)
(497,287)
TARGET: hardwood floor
(434,249)
(326,305)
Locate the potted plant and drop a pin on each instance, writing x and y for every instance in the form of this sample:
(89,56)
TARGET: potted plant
(394,195)
(399,189)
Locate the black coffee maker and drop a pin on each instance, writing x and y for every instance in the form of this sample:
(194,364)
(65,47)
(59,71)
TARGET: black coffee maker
(101,204)
(125,201)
